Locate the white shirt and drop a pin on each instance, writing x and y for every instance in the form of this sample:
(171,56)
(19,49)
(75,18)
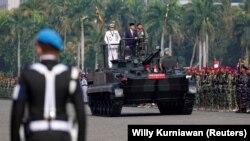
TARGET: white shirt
(112,37)
(132,32)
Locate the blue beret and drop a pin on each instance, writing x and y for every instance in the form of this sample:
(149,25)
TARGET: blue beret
(50,36)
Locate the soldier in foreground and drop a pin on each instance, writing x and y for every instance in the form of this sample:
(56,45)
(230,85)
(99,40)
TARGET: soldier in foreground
(42,93)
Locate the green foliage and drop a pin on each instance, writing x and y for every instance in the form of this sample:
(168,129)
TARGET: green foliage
(66,57)
(228,27)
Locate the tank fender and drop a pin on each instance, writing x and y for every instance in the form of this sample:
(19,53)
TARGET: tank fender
(114,88)
(192,86)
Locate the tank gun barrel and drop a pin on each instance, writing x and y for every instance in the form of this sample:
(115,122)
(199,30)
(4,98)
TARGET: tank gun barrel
(150,57)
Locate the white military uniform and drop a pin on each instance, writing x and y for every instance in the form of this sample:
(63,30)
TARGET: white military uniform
(84,84)
(112,37)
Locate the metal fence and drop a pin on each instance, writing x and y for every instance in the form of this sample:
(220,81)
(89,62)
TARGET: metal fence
(216,92)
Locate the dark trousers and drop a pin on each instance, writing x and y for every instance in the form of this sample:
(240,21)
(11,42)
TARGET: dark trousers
(49,136)
(133,50)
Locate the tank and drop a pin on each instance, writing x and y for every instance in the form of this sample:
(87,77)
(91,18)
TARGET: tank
(128,82)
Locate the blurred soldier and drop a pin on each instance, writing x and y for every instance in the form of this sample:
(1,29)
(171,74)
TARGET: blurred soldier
(112,37)
(238,66)
(242,90)
(84,84)
(131,36)
(141,40)
(45,88)
(248,90)
(140,31)
(168,63)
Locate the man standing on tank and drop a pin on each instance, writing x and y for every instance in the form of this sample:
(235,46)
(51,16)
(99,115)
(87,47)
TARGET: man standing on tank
(131,37)
(140,31)
(42,93)
(141,40)
(112,39)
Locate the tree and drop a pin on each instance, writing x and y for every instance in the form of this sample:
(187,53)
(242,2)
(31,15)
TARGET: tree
(116,12)
(242,28)
(223,30)
(174,18)
(135,10)
(202,16)
(204,25)
(156,22)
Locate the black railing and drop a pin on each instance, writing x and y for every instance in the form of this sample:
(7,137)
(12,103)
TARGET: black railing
(141,46)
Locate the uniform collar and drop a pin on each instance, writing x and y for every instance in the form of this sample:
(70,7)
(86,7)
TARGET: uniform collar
(49,61)
(48,57)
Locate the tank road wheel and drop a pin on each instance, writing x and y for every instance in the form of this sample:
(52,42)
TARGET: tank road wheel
(188,104)
(94,104)
(171,107)
(97,107)
(103,105)
(94,108)
(114,107)
(161,107)
(164,108)
(91,105)
(104,108)
(106,105)
(108,108)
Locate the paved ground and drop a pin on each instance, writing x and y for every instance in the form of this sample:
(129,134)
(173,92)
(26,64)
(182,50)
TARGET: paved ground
(115,129)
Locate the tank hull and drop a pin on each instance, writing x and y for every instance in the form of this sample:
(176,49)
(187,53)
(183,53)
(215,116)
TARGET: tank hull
(171,94)
(147,90)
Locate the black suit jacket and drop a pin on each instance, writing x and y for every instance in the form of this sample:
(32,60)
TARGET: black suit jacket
(131,42)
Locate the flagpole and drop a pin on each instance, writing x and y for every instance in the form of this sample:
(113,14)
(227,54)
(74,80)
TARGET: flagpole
(78,55)
(82,41)
(18,54)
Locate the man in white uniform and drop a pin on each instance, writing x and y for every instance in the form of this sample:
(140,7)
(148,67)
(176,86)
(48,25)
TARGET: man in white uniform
(112,37)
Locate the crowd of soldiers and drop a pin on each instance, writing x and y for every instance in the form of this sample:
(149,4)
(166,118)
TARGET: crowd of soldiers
(6,85)
(222,88)
(218,89)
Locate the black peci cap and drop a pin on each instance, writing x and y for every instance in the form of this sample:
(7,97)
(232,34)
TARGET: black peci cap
(130,24)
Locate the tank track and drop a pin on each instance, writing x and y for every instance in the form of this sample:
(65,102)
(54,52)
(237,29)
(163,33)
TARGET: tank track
(101,104)
(188,104)
(184,107)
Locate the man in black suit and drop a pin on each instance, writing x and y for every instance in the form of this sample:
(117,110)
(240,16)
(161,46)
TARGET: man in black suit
(42,92)
(131,36)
